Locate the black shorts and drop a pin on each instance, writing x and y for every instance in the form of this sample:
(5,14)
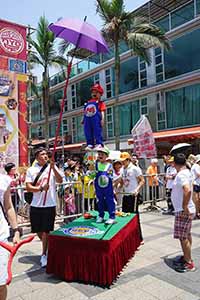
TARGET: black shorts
(42,219)
(196,188)
(129,204)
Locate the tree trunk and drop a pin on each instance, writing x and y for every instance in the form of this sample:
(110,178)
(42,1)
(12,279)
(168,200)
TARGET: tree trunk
(45,92)
(116,105)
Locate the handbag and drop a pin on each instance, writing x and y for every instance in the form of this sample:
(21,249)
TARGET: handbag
(28,196)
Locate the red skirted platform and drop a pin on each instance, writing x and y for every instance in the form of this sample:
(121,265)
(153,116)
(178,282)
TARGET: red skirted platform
(91,260)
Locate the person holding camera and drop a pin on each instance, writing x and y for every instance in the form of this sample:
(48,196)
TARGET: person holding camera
(42,216)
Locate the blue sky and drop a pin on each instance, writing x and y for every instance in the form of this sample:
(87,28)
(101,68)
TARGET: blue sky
(28,11)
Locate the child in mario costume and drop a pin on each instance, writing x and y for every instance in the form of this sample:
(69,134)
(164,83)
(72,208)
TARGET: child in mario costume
(104,187)
(94,118)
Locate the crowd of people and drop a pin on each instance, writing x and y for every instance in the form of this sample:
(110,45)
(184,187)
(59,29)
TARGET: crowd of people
(116,181)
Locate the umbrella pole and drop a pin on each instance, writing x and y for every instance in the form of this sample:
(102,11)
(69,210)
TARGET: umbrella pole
(69,67)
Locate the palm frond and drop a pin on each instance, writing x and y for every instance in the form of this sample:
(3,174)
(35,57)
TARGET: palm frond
(117,7)
(59,61)
(64,47)
(138,49)
(103,8)
(150,36)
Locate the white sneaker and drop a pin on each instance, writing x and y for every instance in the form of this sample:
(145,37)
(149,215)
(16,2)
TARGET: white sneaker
(99,220)
(110,221)
(89,148)
(98,147)
(43,261)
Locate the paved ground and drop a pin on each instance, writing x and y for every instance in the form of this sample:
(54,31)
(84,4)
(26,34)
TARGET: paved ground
(148,275)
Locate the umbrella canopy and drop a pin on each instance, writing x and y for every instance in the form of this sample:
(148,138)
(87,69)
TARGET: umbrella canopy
(80,33)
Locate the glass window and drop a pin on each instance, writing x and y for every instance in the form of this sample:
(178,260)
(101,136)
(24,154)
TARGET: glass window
(182,15)
(77,129)
(37,132)
(159,78)
(54,102)
(129,75)
(36,110)
(109,73)
(159,69)
(135,112)
(109,55)
(158,59)
(83,92)
(125,119)
(198,6)
(163,23)
(129,115)
(184,56)
(183,106)
(52,129)
(110,123)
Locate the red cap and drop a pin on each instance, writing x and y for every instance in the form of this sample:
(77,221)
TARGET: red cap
(97,87)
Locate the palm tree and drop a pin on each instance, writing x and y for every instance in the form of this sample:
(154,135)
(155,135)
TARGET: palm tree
(44,54)
(138,34)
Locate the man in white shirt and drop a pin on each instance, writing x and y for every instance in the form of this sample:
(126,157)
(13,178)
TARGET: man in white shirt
(195,170)
(6,211)
(184,211)
(132,183)
(170,176)
(42,216)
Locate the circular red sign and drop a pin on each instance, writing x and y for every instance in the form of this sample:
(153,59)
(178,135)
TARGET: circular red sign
(11,41)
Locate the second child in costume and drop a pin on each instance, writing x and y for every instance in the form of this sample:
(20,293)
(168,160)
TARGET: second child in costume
(104,187)
(94,118)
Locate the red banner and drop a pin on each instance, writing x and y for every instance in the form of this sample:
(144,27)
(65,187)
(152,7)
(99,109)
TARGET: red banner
(13,40)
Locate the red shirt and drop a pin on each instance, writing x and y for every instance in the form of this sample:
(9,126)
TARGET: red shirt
(101,105)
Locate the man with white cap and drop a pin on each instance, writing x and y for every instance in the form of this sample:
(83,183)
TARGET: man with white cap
(184,212)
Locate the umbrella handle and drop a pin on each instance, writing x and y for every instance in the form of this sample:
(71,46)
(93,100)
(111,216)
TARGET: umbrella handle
(13,250)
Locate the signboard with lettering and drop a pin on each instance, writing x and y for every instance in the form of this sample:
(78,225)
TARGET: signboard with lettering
(13,104)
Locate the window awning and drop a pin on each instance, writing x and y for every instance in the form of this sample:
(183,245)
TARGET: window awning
(179,135)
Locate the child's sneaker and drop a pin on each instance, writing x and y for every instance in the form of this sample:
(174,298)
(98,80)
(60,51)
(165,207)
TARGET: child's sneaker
(89,148)
(98,147)
(110,221)
(99,220)
(186,267)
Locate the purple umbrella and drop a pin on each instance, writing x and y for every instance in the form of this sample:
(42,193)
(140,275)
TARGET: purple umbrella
(81,34)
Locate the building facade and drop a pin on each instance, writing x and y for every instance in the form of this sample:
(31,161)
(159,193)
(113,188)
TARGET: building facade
(167,91)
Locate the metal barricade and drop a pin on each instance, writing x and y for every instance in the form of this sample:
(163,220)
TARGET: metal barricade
(150,196)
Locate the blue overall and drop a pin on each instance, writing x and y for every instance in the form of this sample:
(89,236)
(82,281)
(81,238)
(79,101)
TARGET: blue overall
(104,192)
(92,123)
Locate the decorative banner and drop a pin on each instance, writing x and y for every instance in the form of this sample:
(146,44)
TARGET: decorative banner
(12,40)
(22,121)
(13,106)
(143,139)
(81,231)
(3,63)
(17,66)
(8,119)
